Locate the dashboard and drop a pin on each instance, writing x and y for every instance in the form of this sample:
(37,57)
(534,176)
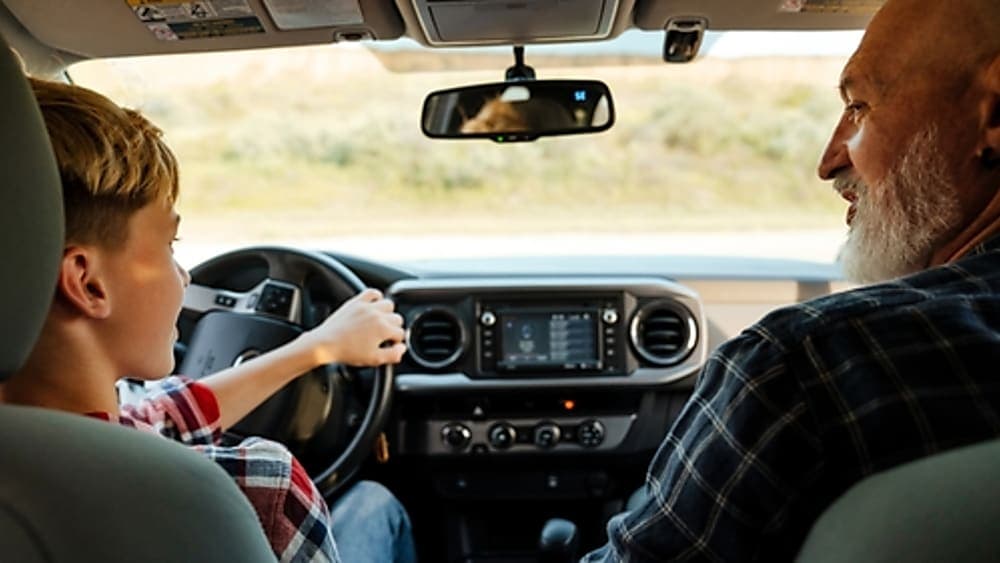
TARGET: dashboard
(532,387)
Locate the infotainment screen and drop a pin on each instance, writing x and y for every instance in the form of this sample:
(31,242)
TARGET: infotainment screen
(531,340)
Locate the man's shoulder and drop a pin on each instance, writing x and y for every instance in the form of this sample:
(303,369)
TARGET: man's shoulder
(967,284)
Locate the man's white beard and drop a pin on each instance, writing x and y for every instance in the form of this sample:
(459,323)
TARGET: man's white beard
(901,221)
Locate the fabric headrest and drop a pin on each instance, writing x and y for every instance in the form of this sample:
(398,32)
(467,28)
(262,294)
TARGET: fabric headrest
(31,216)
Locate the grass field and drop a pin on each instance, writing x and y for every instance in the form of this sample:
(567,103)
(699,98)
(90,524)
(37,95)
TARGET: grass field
(321,142)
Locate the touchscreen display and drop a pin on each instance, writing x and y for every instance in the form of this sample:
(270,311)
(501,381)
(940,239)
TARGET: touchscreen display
(549,340)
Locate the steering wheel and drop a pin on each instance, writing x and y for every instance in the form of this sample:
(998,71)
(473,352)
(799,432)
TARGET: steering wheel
(246,302)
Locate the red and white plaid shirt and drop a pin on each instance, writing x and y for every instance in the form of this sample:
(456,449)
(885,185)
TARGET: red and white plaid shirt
(292,511)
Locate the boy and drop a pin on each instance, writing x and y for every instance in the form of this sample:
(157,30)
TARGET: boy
(118,295)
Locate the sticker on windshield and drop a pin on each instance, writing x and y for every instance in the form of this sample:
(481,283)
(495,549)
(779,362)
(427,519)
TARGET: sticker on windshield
(169,20)
(853,7)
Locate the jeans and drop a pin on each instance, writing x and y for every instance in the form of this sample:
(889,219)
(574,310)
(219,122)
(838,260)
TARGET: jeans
(371,526)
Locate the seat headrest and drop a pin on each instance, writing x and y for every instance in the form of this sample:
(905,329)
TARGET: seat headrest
(31,216)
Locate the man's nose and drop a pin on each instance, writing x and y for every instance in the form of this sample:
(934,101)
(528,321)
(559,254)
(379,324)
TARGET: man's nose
(836,156)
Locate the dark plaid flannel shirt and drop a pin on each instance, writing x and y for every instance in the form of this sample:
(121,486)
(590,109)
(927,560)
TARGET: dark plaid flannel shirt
(813,398)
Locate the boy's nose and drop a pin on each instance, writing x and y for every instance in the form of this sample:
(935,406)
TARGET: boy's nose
(185,275)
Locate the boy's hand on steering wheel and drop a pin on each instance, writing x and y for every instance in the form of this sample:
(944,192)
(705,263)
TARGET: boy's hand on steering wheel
(364,331)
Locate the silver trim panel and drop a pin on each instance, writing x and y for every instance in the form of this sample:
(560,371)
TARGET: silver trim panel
(202,299)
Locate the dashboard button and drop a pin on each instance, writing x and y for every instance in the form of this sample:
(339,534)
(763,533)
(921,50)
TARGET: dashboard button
(488,318)
(590,434)
(456,436)
(547,435)
(502,435)
(609,316)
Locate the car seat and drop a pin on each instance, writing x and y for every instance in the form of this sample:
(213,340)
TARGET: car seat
(73,488)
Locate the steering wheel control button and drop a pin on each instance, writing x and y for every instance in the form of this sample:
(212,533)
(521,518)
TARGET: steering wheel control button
(609,316)
(225,301)
(547,435)
(590,434)
(275,300)
(488,318)
(456,436)
(502,435)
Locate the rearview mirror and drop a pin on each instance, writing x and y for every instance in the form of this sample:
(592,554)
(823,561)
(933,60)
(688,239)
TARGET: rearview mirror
(521,110)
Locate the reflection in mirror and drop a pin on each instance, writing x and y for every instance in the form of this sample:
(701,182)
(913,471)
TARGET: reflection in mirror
(519,110)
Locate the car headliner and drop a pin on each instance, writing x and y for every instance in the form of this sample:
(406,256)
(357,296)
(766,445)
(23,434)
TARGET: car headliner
(55,34)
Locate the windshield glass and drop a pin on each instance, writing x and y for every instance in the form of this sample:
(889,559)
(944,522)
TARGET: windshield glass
(321,147)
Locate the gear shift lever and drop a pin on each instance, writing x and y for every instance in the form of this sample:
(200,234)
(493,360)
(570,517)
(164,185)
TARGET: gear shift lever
(558,542)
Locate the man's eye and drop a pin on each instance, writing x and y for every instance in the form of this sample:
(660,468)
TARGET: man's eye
(854,109)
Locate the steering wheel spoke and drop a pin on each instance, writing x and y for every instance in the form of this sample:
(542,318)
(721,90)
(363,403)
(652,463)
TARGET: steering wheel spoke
(272,297)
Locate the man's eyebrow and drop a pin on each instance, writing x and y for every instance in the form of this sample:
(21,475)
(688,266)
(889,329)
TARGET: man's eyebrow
(846,82)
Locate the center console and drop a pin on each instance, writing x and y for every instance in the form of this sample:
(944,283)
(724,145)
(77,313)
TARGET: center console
(538,366)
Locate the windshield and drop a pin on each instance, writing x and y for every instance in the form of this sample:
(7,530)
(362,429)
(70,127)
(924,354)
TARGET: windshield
(321,147)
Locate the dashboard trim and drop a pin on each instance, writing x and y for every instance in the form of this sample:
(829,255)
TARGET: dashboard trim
(418,383)
(636,287)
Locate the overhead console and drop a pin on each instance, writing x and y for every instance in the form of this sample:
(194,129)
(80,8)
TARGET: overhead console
(482,22)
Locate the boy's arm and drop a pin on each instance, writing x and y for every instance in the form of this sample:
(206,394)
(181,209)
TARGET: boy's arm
(352,335)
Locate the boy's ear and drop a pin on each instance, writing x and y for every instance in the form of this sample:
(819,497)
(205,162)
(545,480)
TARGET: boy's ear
(81,283)
(989,150)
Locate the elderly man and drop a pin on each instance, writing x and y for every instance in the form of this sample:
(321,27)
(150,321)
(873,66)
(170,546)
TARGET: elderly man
(815,397)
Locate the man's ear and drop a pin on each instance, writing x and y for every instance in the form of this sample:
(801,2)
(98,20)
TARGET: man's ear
(989,114)
(81,283)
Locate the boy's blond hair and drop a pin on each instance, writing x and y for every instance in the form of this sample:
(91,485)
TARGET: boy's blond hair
(112,162)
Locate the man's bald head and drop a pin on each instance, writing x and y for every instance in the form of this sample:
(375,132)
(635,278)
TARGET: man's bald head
(921,94)
(952,38)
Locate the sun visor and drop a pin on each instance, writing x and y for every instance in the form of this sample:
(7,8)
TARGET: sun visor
(114,28)
(769,15)
(481,22)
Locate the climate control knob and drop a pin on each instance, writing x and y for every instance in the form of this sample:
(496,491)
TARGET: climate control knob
(456,436)
(547,435)
(502,435)
(590,434)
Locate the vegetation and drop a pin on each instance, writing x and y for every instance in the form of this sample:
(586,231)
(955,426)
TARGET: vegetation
(319,142)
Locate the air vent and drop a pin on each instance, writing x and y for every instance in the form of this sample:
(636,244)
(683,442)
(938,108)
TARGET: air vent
(663,333)
(435,338)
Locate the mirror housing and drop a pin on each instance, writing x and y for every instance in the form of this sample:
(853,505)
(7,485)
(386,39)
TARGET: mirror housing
(518,110)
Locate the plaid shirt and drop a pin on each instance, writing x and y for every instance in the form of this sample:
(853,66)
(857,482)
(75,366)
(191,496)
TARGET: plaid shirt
(291,510)
(811,399)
